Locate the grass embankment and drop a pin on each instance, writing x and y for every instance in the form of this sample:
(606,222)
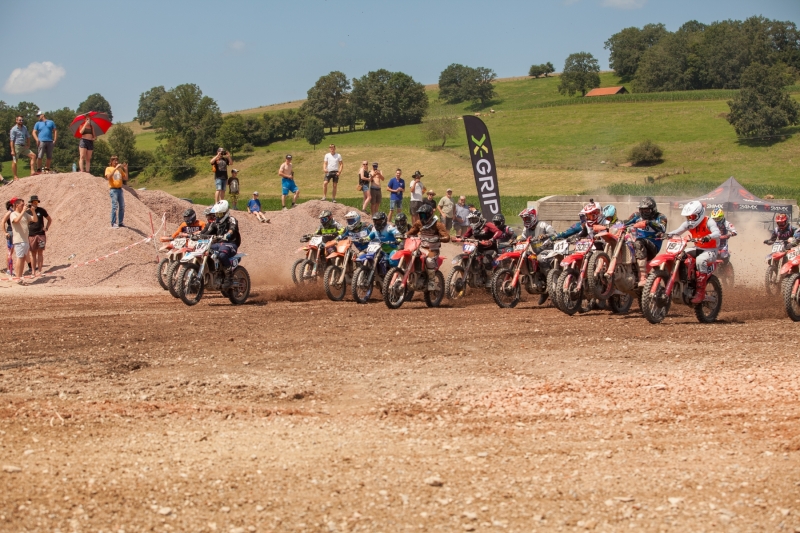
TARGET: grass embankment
(545,143)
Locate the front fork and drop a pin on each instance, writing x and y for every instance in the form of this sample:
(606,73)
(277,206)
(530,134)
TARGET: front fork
(345,262)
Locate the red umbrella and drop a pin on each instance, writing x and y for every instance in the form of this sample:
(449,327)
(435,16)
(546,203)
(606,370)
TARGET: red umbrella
(99,122)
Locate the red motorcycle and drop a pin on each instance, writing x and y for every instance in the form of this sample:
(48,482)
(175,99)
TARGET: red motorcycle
(410,275)
(790,272)
(572,287)
(525,271)
(613,273)
(673,277)
(775,261)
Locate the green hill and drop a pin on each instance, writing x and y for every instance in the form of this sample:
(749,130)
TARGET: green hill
(544,144)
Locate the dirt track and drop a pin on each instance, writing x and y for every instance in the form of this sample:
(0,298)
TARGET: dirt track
(134,414)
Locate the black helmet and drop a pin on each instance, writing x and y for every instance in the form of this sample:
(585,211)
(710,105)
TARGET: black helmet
(379,220)
(401,222)
(326,218)
(499,220)
(647,208)
(476,220)
(425,213)
(189,216)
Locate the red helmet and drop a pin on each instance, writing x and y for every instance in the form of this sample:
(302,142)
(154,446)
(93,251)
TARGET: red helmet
(781,220)
(529,217)
(591,211)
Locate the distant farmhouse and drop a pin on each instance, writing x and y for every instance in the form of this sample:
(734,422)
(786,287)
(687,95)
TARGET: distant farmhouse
(606,91)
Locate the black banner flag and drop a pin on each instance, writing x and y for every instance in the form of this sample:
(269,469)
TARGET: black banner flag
(483,167)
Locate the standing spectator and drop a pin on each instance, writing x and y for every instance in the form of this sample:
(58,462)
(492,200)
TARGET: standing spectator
(220,164)
(6,223)
(461,212)
(46,135)
(332,167)
(21,146)
(21,218)
(287,182)
(254,206)
(396,187)
(363,183)
(86,146)
(417,190)
(446,208)
(375,177)
(37,235)
(117,176)
(429,200)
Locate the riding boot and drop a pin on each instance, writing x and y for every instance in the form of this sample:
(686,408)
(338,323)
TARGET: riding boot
(700,290)
(228,281)
(431,279)
(642,264)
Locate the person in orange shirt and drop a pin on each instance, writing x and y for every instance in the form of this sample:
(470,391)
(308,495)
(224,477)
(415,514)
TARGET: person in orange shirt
(117,175)
(190,225)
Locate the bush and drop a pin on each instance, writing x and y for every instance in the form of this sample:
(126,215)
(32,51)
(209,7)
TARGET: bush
(646,152)
(248,148)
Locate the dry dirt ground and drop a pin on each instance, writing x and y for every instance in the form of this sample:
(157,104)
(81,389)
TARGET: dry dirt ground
(293,413)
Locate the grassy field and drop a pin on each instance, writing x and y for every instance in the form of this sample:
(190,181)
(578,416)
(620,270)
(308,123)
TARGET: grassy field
(545,143)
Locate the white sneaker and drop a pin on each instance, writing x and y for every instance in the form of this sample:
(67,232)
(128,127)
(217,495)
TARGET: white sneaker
(285,209)
(324,199)
(334,200)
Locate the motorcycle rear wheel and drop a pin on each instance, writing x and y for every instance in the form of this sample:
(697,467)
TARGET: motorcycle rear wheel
(190,285)
(362,285)
(330,282)
(240,288)
(571,299)
(707,311)
(456,283)
(727,276)
(791,296)
(655,302)
(161,273)
(172,278)
(597,284)
(434,298)
(772,280)
(552,286)
(295,275)
(394,294)
(504,295)
(620,304)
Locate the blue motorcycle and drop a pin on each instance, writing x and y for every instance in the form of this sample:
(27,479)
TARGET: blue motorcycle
(372,265)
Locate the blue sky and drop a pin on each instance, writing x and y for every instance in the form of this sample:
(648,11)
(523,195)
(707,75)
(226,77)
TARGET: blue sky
(245,53)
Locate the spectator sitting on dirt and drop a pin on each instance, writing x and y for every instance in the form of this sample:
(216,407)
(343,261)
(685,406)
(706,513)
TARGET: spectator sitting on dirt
(21,218)
(37,237)
(254,206)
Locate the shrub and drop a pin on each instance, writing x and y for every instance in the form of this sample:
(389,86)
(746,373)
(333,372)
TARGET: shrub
(248,148)
(646,152)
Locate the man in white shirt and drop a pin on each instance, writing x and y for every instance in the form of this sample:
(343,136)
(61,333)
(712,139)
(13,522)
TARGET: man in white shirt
(332,166)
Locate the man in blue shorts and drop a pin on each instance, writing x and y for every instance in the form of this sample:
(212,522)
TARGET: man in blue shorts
(46,135)
(287,182)
(396,187)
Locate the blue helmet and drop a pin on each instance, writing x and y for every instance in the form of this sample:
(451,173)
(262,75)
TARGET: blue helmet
(610,213)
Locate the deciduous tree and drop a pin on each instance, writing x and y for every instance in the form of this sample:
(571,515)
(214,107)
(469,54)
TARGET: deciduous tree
(313,131)
(186,114)
(328,99)
(148,104)
(581,73)
(384,99)
(763,106)
(96,102)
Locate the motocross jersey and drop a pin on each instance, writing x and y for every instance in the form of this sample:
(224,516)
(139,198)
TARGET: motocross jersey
(580,228)
(189,229)
(489,232)
(359,236)
(228,226)
(725,228)
(387,235)
(785,234)
(706,228)
(432,234)
(653,227)
(331,232)
(541,228)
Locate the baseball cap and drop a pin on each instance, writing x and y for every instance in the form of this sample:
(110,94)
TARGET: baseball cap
(288,156)
(449,190)
(255,193)
(234,170)
(375,164)
(39,113)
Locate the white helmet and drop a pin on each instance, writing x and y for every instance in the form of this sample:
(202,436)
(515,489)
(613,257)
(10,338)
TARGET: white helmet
(220,209)
(694,213)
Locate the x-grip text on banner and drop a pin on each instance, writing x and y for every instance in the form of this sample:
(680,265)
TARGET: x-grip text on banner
(102,257)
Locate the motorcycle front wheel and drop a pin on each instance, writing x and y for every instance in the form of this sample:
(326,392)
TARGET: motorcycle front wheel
(434,298)
(172,278)
(362,285)
(456,283)
(394,294)
(552,286)
(655,300)
(505,295)
(727,276)
(161,273)
(707,311)
(772,280)
(240,288)
(620,304)
(295,273)
(190,284)
(597,284)
(305,272)
(791,296)
(570,297)
(333,287)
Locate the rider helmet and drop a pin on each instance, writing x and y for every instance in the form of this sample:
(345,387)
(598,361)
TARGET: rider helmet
(401,222)
(781,220)
(353,220)
(379,220)
(208,212)
(425,213)
(500,221)
(718,214)
(220,210)
(529,217)
(694,213)
(647,208)
(610,214)
(476,221)
(591,211)
(326,219)
(189,216)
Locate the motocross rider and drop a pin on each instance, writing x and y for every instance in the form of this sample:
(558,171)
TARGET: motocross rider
(189,226)
(328,228)
(356,231)
(609,215)
(590,216)
(499,220)
(534,228)
(783,231)
(400,222)
(707,233)
(649,225)
(487,235)
(432,233)
(726,230)
(226,227)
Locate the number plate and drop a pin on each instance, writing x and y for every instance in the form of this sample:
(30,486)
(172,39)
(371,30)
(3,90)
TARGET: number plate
(179,243)
(373,247)
(469,247)
(561,247)
(582,246)
(777,247)
(521,247)
(791,255)
(315,241)
(674,247)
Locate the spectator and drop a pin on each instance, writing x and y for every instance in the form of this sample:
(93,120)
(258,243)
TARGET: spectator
(287,182)
(396,187)
(429,200)
(86,146)
(254,206)
(21,146)
(332,167)
(220,164)
(471,208)
(375,177)
(417,191)
(117,176)
(21,218)
(37,236)
(446,208)
(6,223)
(46,135)
(363,183)
(461,214)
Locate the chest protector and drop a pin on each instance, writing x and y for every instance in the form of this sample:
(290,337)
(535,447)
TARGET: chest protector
(702,231)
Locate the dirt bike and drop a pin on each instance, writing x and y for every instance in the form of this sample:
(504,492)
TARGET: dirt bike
(525,271)
(613,275)
(571,287)
(724,269)
(176,254)
(173,250)
(311,267)
(200,269)
(339,270)
(554,256)
(469,270)
(373,265)
(410,273)
(790,272)
(673,277)
(775,261)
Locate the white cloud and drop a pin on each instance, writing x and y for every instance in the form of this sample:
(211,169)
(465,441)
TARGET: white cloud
(624,4)
(236,46)
(34,77)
